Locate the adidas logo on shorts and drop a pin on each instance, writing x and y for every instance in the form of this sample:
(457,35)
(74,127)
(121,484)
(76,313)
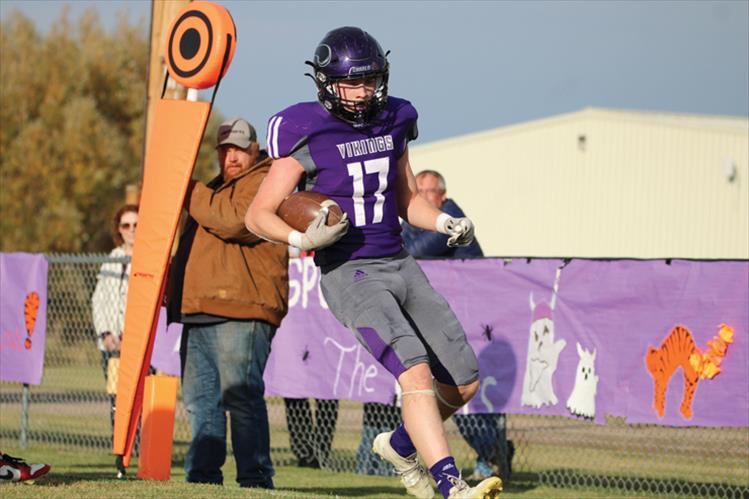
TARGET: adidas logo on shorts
(359,275)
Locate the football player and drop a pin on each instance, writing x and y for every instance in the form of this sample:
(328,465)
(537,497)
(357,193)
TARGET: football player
(352,146)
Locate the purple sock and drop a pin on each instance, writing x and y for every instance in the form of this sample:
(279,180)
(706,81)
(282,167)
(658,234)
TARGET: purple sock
(401,442)
(440,471)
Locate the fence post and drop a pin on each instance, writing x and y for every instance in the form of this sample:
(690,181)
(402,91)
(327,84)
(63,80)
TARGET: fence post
(24,415)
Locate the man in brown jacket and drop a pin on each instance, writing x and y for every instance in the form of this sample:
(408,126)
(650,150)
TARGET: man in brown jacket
(230,291)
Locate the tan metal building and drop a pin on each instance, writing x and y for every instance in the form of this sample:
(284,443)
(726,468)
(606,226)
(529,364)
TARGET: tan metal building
(603,183)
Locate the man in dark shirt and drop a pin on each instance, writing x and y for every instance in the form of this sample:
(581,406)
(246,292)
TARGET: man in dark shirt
(428,244)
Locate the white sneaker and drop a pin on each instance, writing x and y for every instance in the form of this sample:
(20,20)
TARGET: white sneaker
(413,475)
(487,489)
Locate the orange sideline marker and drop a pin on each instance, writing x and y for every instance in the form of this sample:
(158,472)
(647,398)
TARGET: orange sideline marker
(199,50)
(157,427)
(169,162)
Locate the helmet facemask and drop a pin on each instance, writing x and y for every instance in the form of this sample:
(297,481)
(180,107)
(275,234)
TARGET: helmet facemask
(356,112)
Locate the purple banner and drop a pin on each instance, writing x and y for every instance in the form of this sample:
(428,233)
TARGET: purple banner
(314,356)
(23,316)
(639,339)
(165,356)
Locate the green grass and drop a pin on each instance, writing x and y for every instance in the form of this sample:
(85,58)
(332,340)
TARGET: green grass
(69,411)
(91,475)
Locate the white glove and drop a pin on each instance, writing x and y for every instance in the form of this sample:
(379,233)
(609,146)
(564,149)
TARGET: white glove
(319,235)
(460,230)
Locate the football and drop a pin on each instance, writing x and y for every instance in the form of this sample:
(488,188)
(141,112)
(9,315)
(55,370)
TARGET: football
(300,208)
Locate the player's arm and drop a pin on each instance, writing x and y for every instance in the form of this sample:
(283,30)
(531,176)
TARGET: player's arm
(420,213)
(262,218)
(413,208)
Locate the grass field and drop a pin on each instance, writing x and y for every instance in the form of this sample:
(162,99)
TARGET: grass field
(91,475)
(69,428)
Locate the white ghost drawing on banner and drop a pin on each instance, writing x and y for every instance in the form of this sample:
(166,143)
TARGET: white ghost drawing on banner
(543,354)
(582,400)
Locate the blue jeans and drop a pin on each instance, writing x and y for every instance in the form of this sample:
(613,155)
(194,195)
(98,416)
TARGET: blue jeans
(222,366)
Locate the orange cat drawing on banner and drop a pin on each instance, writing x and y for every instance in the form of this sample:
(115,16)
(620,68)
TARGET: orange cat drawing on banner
(680,350)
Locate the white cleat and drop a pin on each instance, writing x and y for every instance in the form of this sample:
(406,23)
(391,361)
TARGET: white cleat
(487,489)
(413,475)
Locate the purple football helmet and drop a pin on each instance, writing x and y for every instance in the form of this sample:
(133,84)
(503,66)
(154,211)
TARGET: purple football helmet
(350,53)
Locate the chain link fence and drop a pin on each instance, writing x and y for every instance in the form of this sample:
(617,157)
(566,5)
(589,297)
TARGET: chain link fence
(71,409)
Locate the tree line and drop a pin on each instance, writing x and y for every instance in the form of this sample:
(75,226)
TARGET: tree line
(72,104)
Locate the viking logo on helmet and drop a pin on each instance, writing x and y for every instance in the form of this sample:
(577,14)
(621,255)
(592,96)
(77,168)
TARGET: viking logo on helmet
(323,55)
(350,58)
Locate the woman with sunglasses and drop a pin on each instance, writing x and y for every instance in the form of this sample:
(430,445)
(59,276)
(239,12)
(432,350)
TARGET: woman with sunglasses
(110,295)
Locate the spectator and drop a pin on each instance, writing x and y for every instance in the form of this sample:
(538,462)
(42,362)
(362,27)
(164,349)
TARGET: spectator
(110,297)
(428,244)
(230,291)
(485,433)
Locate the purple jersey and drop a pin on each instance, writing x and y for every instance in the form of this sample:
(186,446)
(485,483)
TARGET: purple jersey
(356,167)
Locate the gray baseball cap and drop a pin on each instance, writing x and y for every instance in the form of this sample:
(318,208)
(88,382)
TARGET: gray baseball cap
(236,131)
